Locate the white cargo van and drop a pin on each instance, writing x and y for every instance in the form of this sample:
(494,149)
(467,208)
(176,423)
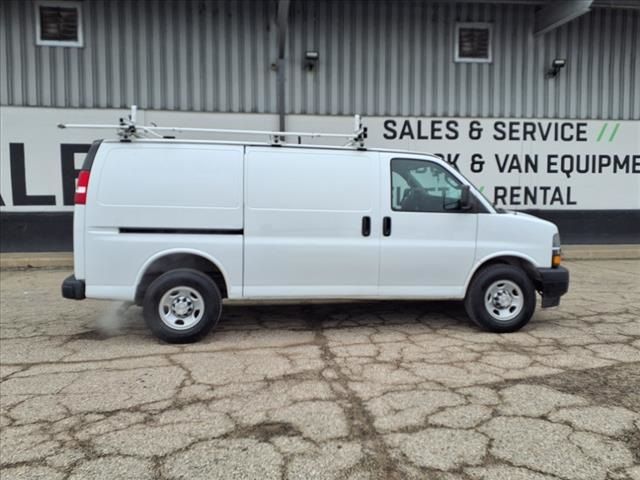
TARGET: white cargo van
(177,226)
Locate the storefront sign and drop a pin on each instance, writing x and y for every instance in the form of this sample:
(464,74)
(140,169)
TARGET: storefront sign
(517,163)
(531,164)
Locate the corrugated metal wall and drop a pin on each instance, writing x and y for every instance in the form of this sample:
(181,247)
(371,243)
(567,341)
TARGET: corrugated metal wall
(376,58)
(396,58)
(160,54)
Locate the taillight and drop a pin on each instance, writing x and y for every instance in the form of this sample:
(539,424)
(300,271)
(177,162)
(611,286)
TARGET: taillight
(81,190)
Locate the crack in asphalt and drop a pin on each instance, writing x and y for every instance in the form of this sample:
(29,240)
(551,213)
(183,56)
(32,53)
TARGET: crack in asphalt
(377,459)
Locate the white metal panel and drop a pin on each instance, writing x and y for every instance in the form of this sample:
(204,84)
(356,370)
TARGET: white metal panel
(516,234)
(286,180)
(79,235)
(303,223)
(166,186)
(115,262)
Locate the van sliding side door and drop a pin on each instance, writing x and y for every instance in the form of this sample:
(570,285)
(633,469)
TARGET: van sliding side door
(312,223)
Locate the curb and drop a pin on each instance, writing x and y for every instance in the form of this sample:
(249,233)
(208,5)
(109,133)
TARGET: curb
(64,260)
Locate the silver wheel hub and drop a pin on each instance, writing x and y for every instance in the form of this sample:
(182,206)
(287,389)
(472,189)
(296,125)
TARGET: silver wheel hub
(181,308)
(504,300)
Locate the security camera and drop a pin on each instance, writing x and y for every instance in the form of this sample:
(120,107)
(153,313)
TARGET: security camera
(556,66)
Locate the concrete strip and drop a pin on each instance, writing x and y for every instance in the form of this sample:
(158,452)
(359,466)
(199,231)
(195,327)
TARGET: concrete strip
(601,252)
(19,261)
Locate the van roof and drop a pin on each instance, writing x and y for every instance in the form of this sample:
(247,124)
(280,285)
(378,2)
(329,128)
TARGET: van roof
(267,144)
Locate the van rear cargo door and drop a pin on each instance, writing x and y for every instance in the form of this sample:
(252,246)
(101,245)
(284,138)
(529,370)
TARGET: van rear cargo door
(147,199)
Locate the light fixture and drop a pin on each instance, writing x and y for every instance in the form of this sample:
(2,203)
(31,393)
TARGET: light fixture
(557,65)
(311,58)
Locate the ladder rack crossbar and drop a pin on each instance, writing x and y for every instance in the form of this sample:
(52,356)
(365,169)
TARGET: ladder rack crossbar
(128,128)
(253,132)
(213,130)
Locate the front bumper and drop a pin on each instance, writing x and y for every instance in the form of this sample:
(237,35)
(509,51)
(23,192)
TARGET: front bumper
(552,283)
(73,288)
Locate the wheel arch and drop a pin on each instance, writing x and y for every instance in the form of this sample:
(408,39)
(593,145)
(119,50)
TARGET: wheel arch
(167,260)
(526,263)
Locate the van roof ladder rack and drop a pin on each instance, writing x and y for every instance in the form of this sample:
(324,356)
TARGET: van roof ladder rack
(128,129)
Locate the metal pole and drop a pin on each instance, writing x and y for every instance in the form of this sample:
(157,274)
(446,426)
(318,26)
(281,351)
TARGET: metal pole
(282,18)
(280,92)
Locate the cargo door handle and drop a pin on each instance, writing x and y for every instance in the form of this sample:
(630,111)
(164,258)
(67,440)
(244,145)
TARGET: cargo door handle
(366,226)
(386,226)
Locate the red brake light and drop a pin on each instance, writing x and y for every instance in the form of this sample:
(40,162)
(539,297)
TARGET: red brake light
(81,190)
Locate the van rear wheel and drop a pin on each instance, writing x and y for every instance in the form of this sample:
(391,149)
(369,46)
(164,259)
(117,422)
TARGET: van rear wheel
(501,299)
(182,306)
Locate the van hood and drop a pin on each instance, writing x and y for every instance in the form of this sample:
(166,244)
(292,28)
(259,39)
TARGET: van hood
(520,214)
(529,217)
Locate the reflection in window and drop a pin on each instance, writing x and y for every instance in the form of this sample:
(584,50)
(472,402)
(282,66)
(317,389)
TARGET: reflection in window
(422,186)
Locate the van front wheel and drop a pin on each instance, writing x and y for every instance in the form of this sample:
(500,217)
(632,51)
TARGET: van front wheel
(501,299)
(182,306)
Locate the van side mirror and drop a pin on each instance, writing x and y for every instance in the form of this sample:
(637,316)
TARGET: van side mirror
(465,198)
(465,202)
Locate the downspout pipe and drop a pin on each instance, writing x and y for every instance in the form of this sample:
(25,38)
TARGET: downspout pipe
(282,23)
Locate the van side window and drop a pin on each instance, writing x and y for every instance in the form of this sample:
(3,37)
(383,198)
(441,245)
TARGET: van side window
(422,186)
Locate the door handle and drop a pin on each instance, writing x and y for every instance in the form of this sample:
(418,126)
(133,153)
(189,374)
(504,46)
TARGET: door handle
(366,226)
(386,226)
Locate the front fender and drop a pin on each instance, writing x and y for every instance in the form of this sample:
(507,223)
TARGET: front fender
(509,256)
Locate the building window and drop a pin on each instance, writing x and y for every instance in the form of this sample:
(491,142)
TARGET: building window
(473,42)
(58,23)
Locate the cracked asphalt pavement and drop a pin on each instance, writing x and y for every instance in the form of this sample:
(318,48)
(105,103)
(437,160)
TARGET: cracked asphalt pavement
(361,390)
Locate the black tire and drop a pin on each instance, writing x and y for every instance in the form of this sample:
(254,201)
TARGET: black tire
(210,299)
(478,292)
